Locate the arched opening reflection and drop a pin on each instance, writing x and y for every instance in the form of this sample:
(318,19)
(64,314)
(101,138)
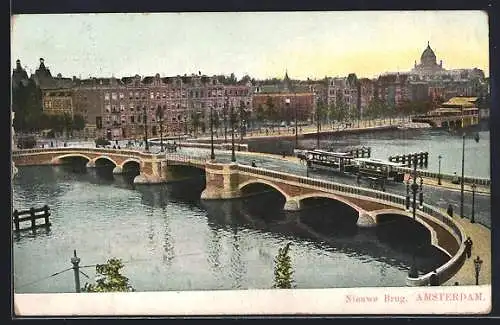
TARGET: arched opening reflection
(328,216)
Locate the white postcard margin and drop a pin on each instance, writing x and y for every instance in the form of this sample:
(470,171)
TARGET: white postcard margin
(451,300)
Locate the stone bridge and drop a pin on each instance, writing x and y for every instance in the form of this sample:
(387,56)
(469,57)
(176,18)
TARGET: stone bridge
(153,168)
(228,181)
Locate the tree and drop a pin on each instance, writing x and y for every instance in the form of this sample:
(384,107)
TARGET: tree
(260,114)
(195,121)
(283,269)
(78,122)
(322,111)
(109,278)
(67,121)
(271,110)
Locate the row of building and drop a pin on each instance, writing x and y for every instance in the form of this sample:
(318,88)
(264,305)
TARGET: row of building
(121,107)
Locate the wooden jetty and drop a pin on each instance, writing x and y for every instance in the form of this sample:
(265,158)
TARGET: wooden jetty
(408,159)
(31,215)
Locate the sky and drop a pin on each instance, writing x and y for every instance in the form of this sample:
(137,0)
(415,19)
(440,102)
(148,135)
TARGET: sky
(260,44)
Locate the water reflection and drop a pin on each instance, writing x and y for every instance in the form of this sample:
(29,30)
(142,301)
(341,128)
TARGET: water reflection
(174,241)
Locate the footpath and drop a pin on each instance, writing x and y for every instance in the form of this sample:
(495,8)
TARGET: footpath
(481,246)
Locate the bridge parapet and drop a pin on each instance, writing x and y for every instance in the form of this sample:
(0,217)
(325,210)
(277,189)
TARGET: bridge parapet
(449,234)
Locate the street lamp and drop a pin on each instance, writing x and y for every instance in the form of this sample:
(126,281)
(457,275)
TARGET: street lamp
(477,267)
(226,103)
(231,118)
(462,178)
(212,154)
(421,193)
(473,186)
(317,123)
(413,272)
(439,169)
(407,195)
(476,138)
(145,118)
(296,125)
(159,116)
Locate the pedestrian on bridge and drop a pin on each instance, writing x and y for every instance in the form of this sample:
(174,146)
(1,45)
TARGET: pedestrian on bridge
(450,210)
(468,247)
(434,279)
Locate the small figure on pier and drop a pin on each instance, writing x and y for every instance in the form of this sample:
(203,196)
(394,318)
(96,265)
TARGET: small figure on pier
(253,163)
(450,210)
(468,247)
(434,279)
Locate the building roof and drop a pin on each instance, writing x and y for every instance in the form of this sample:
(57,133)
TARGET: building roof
(428,54)
(461,101)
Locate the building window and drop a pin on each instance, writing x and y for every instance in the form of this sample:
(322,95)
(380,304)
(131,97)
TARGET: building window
(122,107)
(136,95)
(107,107)
(157,95)
(106,96)
(130,95)
(152,95)
(132,119)
(164,95)
(121,96)
(113,96)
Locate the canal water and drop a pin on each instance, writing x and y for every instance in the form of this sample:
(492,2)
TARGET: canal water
(397,142)
(169,239)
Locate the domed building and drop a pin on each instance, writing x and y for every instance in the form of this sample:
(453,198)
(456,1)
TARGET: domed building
(428,64)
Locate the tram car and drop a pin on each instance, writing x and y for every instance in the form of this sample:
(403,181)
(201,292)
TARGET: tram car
(379,169)
(330,161)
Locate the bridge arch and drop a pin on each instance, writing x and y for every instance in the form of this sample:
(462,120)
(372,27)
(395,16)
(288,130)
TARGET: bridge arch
(265,182)
(329,196)
(131,161)
(70,155)
(377,214)
(105,158)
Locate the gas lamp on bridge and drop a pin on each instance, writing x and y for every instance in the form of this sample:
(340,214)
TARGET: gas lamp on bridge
(477,268)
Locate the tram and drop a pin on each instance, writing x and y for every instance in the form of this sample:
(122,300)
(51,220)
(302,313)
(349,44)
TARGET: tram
(379,169)
(342,162)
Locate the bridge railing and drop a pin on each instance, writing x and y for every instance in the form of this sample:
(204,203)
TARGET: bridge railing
(467,179)
(85,149)
(199,160)
(427,212)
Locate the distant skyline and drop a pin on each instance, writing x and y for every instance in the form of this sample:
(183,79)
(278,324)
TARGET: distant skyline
(261,44)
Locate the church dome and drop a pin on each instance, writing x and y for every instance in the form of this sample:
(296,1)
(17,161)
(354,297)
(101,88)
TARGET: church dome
(428,57)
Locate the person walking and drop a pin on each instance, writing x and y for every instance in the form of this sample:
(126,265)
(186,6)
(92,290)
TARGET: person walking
(450,210)
(468,247)
(434,279)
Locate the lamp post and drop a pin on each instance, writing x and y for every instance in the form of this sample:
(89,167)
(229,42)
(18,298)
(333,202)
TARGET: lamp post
(407,195)
(296,125)
(159,115)
(317,123)
(231,118)
(226,103)
(476,138)
(212,154)
(473,186)
(145,118)
(477,268)
(421,192)
(462,178)
(413,272)
(439,169)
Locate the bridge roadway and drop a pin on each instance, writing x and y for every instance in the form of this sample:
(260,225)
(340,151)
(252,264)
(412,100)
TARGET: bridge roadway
(439,196)
(225,181)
